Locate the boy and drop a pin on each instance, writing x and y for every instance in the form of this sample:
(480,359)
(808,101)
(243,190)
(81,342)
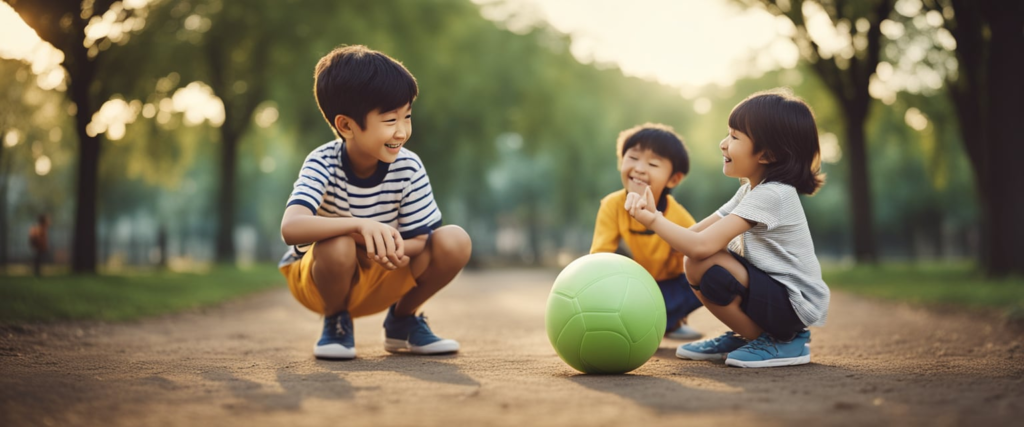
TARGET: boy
(651,154)
(364,230)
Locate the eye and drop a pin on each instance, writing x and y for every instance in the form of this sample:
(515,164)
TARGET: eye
(653,165)
(408,117)
(632,157)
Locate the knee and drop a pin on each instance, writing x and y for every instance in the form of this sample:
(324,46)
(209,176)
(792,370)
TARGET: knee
(451,242)
(719,287)
(338,252)
(694,269)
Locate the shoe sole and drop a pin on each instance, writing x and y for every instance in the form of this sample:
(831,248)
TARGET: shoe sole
(334,352)
(690,355)
(392,345)
(771,363)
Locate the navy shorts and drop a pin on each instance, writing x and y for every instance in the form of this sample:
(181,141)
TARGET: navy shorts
(680,301)
(765,301)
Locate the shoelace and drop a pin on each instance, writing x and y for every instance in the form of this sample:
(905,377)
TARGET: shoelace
(718,340)
(339,327)
(763,344)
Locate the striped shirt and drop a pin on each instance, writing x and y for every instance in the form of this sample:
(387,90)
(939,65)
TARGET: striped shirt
(780,245)
(397,194)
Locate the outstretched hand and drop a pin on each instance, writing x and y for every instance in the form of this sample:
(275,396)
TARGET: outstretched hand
(642,207)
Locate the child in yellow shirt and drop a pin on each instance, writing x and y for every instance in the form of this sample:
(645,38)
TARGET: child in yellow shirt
(651,155)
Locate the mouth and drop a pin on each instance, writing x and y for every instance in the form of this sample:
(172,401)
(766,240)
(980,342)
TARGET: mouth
(727,159)
(638,181)
(393,146)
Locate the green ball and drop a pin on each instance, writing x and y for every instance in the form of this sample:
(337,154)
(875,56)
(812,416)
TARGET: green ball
(605,314)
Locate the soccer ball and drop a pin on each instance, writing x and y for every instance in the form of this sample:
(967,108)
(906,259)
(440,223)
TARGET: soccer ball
(605,314)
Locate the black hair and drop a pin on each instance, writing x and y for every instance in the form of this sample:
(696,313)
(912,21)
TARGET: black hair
(782,125)
(660,139)
(355,80)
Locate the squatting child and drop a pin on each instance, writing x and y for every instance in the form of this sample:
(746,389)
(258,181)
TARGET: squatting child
(364,231)
(752,263)
(654,156)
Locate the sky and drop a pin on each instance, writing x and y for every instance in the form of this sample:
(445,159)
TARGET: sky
(681,43)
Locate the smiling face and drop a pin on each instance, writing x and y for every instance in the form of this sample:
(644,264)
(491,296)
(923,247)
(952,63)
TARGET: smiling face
(642,167)
(381,140)
(739,159)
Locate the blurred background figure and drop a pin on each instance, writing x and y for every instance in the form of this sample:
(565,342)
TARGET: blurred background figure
(38,239)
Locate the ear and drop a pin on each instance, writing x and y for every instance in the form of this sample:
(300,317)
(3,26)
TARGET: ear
(345,126)
(766,157)
(675,179)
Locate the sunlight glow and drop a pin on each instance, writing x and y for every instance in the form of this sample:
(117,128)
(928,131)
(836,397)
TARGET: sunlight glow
(43,165)
(18,41)
(675,42)
(12,138)
(916,119)
(830,150)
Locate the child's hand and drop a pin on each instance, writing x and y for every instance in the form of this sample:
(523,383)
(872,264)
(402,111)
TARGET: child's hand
(384,244)
(642,207)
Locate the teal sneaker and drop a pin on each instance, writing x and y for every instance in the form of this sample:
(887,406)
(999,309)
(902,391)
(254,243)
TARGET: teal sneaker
(412,334)
(336,341)
(712,348)
(766,352)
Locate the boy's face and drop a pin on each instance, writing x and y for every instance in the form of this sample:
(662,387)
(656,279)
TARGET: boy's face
(382,139)
(642,167)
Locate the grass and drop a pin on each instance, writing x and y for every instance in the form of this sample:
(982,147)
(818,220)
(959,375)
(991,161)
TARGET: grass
(118,297)
(933,284)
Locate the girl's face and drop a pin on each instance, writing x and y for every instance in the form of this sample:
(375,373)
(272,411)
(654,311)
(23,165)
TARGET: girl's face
(740,161)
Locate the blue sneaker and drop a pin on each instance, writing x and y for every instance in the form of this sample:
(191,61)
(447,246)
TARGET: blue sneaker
(766,352)
(712,348)
(337,341)
(412,334)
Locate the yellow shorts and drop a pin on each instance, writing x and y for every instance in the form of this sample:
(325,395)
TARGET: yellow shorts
(374,290)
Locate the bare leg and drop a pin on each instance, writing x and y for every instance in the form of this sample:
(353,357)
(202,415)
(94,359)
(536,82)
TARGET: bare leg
(447,252)
(732,315)
(334,270)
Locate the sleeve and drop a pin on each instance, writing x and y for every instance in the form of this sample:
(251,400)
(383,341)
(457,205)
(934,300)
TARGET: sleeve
(727,208)
(309,189)
(761,205)
(418,214)
(606,230)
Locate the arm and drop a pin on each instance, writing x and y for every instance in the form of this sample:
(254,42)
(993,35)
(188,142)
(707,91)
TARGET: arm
(383,242)
(713,236)
(706,222)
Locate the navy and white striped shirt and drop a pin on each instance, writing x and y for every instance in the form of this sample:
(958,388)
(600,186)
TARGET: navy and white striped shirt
(397,194)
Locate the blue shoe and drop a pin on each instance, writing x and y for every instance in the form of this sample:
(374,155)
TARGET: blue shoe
(337,341)
(766,352)
(412,334)
(684,333)
(711,349)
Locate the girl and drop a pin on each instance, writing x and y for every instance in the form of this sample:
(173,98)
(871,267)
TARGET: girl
(752,263)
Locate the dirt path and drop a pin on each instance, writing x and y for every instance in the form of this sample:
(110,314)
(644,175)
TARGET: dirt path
(249,363)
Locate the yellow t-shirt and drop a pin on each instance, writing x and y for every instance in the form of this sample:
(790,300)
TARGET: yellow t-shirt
(649,250)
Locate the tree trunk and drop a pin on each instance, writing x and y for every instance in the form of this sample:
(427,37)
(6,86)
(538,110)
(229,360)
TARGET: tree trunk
(986,95)
(1006,89)
(226,194)
(83,254)
(864,247)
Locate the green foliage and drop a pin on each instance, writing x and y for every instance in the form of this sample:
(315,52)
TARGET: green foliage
(125,296)
(515,132)
(958,284)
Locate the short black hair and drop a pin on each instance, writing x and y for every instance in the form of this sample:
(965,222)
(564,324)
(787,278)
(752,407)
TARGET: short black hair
(660,139)
(355,80)
(783,125)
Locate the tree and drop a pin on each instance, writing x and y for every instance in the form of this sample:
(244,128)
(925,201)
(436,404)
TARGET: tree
(986,90)
(62,23)
(847,73)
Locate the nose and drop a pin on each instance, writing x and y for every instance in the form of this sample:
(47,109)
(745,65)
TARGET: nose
(402,131)
(724,144)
